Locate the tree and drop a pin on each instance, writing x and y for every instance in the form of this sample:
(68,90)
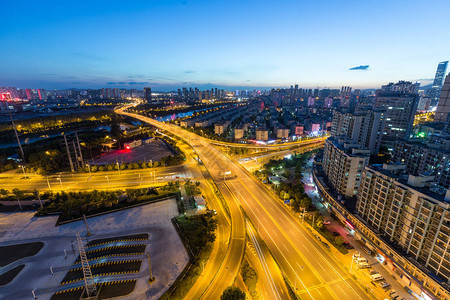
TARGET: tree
(338,240)
(232,293)
(305,201)
(3,192)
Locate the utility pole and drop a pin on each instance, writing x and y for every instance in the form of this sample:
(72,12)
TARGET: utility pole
(86,223)
(79,147)
(89,283)
(39,198)
(68,154)
(17,137)
(77,158)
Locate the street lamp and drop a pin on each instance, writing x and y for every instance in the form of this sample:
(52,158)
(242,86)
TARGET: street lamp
(107,178)
(296,275)
(89,168)
(60,182)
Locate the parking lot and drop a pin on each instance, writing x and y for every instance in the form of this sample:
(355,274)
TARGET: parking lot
(153,151)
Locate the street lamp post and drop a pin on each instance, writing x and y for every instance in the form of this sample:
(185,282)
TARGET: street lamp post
(48,183)
(60,182)
(89,168)
(107,178)
(296,275)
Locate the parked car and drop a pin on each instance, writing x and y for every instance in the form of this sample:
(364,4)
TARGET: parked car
(326,222)
(372,271)
(384,284)
(376,277)
(348,245)
(363,265)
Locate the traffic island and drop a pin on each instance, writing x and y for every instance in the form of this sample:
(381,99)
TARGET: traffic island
(115,251)
(108,268)
(106,290)
(125,238)
(8,276)
(9,254)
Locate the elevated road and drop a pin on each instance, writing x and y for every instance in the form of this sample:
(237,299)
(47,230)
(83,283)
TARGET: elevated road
(309,267)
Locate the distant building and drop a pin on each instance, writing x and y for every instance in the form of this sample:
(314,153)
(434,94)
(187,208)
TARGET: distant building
(400,101)
(425,158)
(262,134)
(282,133)
(364,127)
(443,107)
(147,94)
(219,128)
(435,90)
(238,133)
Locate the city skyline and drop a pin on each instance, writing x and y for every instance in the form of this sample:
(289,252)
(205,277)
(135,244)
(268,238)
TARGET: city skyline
(231,45)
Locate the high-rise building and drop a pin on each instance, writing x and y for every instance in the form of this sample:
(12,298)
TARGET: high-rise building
(147,94)
(435,90)
(443,107)
(343,163)
(363,127)
(432,158)
(400,101)
(408,214)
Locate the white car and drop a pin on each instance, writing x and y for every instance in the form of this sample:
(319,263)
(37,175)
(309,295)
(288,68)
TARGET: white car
(326,222)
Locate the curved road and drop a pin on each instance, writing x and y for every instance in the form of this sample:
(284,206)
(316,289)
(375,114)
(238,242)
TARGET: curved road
(309,267)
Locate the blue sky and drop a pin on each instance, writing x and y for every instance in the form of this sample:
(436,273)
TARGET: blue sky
(167,44)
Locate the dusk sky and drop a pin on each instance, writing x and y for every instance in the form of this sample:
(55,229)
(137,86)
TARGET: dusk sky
(168,44)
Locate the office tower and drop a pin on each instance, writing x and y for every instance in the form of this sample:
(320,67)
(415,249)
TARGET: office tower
(443,107)
(148,94)
(400,101)
(343,163)
(409,215)
(435,90)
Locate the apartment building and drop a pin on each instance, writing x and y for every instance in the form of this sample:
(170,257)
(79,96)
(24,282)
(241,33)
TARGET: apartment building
(410,214)
(343,163)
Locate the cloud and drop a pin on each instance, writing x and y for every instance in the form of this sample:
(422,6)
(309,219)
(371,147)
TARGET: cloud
(127,83)
(360,68)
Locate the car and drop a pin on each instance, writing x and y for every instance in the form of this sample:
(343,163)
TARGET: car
(348,246)
(326,222)
(335,233)
(372,271)
(384,284)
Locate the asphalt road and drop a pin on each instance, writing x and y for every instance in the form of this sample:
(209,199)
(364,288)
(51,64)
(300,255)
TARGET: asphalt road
(95,180)
(307,264)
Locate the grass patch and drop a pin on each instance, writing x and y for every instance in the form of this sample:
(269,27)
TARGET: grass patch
(74,205)
(198,234)
(107,290)
(7,277)
(118,239)
(250,277)
(115,251)
(9,254)
(104,268)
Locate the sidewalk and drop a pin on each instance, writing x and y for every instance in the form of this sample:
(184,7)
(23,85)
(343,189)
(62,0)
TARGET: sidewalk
(335,226)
